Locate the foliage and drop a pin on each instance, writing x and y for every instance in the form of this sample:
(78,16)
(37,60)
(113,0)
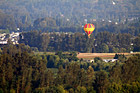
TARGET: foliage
(137,44)
(18,70)
(96,59)
(4,31)
(120,57)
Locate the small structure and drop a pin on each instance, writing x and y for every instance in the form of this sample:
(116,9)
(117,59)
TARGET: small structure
(109,60)
(2,42)
(131,51)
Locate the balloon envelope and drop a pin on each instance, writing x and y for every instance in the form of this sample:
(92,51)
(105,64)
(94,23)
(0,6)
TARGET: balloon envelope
(89,28)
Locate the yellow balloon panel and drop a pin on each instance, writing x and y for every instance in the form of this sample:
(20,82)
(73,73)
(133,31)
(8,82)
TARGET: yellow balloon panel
(89,29)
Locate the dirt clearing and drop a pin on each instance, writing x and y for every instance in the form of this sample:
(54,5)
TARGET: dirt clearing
(102,55)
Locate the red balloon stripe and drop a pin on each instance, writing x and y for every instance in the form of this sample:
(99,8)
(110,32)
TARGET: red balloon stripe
(86,26)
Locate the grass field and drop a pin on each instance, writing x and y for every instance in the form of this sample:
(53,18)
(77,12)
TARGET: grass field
(102,55)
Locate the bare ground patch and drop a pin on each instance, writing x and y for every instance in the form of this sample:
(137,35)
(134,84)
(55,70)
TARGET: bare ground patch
(102,55)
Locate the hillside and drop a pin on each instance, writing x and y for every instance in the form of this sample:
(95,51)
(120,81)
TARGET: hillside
(26,11)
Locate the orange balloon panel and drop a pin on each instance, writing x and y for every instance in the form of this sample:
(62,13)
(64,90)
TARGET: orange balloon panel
(89,28)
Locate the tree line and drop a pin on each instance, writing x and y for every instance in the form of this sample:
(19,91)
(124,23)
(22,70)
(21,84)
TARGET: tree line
(103,42)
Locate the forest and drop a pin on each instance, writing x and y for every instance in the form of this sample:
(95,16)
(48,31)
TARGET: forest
(23,71)
(51,36)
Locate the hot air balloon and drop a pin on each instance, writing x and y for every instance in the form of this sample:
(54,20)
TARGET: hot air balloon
(89,28)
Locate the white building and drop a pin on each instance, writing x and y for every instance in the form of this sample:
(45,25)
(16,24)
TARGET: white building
(109,60)
(14,37)
(3,42)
